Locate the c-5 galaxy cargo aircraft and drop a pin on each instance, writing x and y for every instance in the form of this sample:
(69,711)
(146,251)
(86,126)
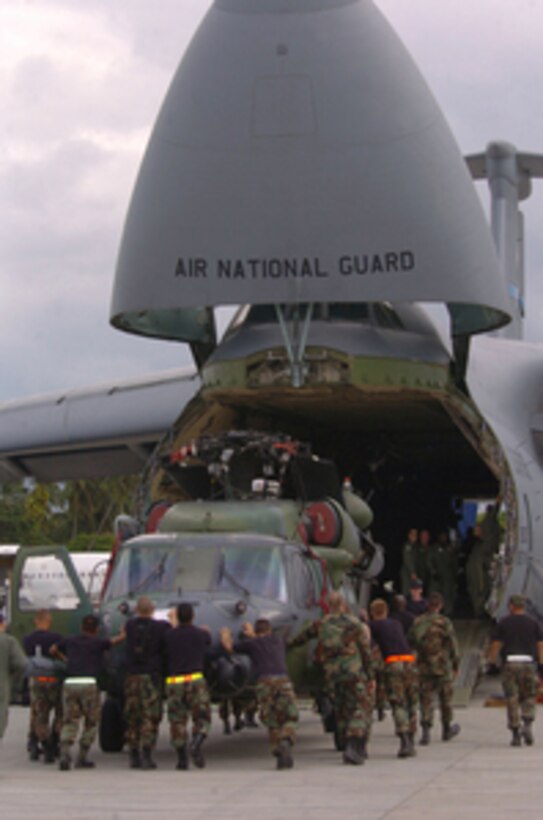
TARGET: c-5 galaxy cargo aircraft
(300,167)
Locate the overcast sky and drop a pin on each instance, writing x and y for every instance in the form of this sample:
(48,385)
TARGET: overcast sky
(81,82)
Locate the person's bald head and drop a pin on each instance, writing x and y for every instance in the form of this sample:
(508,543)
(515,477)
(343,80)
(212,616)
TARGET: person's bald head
(336,602)
(144,607)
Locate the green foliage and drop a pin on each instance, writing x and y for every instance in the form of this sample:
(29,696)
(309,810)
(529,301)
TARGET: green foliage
(79,514)
(89,541)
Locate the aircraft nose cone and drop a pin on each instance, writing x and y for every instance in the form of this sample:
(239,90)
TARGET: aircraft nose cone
(300,157)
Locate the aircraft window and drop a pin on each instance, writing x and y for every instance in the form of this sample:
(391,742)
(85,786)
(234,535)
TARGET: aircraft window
(151,568)
(349,311)
(40,590)
(386,316)
(155,568)
(256,570)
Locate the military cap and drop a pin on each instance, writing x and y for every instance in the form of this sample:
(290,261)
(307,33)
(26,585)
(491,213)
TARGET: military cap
(518,601)
(416,583)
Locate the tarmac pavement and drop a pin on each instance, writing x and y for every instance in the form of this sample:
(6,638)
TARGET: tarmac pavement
(476,775)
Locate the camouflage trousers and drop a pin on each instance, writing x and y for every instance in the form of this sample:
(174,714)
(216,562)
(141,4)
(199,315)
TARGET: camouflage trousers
(380,686)
(443,686)
(353,703)
(402,687)
(45,698)
(80,702)
(520,683)
(278,708)
(184,700)
(142,710)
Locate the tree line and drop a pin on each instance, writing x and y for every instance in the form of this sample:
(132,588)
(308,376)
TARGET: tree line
(77,514)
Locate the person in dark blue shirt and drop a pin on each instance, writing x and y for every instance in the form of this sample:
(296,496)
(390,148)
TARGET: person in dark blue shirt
(186,687)
(145,661)
(45,692)
(274,690)
(80,694)
(400,674)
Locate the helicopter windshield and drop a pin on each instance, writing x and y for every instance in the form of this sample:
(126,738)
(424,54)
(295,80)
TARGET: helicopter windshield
(253,570)
(146,569)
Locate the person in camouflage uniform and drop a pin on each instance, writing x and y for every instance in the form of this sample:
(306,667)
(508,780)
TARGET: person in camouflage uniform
(344,649)
(518,638)
(274,691)
(444,571)
(45,692)
(186,687)
(410,551)
(145,649)
(432,636)
(399,674)
(80,694)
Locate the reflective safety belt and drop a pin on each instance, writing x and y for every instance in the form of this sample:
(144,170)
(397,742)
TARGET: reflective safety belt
(80,681)
(519,659)
(400,659)
(185,678)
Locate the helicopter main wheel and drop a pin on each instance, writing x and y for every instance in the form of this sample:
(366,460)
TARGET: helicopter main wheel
(111,726)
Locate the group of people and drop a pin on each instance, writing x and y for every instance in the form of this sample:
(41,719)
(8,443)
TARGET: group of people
(433,562)
(410,656)
(441,564)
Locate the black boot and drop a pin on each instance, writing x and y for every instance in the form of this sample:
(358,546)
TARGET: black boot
(284,755)
(239,724)
(65,761)
(515,740)
(351,754)
(362,748)
(411,744)
(49,750)
(227,728)
(450,730)
(403,751)
(182,758)
(147,761)
(425,736)
(33,747)
(196,750)
(55,743)
(250,721)
(380,713)
(134,758)
(82,762)
(526,732)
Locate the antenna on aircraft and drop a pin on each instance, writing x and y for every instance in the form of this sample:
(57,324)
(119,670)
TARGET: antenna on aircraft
(509,174)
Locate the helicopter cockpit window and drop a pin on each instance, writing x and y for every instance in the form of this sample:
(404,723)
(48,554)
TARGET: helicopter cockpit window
(141,570)
(254,570)
(147,569)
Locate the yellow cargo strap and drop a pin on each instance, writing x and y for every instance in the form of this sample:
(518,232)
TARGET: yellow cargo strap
(185,678)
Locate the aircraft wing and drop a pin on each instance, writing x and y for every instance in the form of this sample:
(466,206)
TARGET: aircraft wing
(91,432)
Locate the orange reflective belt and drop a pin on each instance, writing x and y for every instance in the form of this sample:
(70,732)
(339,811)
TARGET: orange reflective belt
(46,680)
(185,678)
(400,659)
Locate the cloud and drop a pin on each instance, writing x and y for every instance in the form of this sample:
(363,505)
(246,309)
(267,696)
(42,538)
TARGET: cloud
(82,84)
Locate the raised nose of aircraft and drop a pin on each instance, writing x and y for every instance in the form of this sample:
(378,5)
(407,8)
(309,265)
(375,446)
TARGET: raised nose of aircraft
(299,156)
